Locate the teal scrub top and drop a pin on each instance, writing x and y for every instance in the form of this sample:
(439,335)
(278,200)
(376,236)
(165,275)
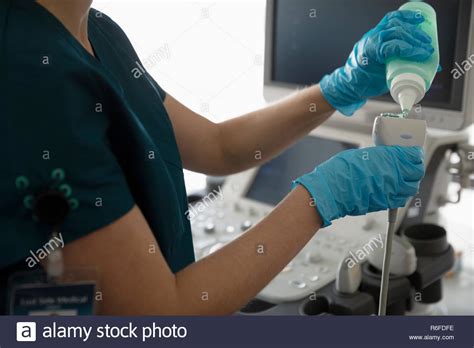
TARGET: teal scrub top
(94,128)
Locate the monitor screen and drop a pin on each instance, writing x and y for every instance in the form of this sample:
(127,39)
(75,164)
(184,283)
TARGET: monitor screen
(311,38)
(273,180)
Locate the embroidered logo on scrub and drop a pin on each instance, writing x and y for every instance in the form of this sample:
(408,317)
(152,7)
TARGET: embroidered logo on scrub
(57,186)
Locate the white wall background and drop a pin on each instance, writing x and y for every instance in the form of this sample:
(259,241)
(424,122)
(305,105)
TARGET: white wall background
(215,60)
(215,67)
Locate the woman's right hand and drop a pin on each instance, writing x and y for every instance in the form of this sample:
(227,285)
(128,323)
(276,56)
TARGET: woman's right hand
(357,182)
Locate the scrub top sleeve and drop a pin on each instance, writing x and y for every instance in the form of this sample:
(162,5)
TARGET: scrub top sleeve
(57,134)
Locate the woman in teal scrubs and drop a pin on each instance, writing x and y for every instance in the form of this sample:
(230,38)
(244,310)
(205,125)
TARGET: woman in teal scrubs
(77,119)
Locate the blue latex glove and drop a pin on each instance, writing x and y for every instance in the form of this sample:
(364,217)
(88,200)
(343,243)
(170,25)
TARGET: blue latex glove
(364,75)
(357,182)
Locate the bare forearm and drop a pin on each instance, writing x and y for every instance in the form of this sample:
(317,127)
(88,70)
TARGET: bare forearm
(224,281)
(137,281)
(254,138)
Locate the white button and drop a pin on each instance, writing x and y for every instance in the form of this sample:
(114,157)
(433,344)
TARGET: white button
(314,278)
(246,225)
(230,229)
(297,284)
(210,228)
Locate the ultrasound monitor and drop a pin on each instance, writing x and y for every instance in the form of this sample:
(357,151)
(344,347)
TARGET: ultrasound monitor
(307,39)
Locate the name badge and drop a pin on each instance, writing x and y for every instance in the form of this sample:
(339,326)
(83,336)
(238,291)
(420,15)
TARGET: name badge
(32,294)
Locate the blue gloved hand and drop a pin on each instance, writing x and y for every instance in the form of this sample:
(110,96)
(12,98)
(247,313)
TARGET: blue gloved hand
(364,75)
(357,182)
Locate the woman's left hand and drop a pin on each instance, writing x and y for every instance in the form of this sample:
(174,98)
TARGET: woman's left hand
(364,75)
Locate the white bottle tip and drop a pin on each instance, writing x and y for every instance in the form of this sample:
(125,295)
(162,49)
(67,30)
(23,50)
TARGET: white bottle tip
(407,99)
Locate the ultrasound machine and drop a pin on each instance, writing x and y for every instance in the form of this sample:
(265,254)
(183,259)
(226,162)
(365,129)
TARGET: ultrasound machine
(300,50)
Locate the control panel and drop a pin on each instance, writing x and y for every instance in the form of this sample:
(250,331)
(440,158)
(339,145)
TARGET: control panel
(313,268)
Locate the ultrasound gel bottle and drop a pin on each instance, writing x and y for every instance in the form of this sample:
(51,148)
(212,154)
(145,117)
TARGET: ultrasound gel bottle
(409,81)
